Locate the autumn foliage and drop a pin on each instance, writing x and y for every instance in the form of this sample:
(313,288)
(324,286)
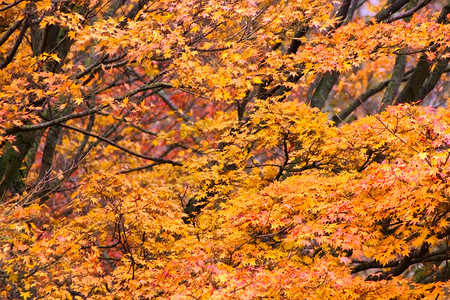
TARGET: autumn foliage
(248,149)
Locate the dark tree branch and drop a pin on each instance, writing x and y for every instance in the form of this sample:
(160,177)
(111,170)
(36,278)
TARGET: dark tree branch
(329,79)
(53,122)
(323,89)
(430,257)
(91,67)
(142,129)
(433,79)
(174,108)
(422,70)
(146,87)
(337,119)
(357,102)
(296,41)
(390,10)
(11,5)
(75,294)
(158,160)
(136,8)
(10,31)
(324,86)
(150,166)
(286,158)
(402,265)
(417,79)
(409,12)
(95,66)
(262,93)
(57,121)
(13,51)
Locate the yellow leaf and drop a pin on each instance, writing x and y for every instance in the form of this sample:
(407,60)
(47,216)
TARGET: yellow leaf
(110,119)
(422,155)
(25,295)
(78,100)
(71,35)
(55,57)
(309,66)
(13,277)
(257,80)
(195,28)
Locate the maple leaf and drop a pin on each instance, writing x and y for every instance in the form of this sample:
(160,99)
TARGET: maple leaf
(78,101)
(179,149)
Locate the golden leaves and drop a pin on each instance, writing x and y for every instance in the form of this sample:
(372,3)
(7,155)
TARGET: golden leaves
(290,202)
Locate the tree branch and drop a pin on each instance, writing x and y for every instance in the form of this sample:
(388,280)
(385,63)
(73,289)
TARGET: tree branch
(387,12)
(329,79)
(10,31)
(57,121)
(158,160)
(431,257)
(11,54)
(408,13)
(422,71)
(337,119)
(11,5)
(28,128)
(402,265)
(357,102)
(433,78)
(174,108)
(394,83)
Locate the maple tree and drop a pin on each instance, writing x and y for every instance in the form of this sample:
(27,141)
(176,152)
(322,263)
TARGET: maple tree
(224,149)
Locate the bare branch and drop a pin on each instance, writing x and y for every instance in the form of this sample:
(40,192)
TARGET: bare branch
(158,160)
(175,108)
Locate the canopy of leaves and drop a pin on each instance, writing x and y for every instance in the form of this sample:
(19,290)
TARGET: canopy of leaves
(244,149)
